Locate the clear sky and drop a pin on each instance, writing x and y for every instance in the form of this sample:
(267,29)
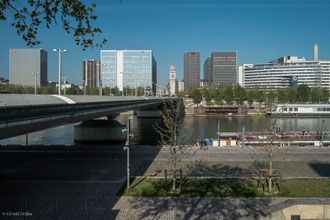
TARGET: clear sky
(259,30)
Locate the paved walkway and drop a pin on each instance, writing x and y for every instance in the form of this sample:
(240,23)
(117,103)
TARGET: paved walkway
(188,208)
(83,184)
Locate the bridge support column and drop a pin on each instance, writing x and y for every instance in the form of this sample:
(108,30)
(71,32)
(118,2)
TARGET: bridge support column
(27,139)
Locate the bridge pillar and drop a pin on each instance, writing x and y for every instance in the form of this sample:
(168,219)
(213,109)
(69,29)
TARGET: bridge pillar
(148,113)
(100,130)
(112,116)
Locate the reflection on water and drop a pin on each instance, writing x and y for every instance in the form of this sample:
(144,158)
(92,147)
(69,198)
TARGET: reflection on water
(196,128)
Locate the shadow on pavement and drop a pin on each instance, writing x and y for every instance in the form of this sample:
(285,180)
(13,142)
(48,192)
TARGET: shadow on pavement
(323,169)
(200,206)
(202,168)
(194,208)
(78,184)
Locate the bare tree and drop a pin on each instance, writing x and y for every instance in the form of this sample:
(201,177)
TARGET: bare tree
(272,148)
(172,124)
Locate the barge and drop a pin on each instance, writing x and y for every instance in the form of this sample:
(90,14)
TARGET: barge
(302,110)
(232,139)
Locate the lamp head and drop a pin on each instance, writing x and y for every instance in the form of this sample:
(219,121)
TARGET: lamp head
(55,50)
(64,51)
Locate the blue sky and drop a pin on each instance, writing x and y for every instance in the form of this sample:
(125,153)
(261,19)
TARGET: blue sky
(259,31)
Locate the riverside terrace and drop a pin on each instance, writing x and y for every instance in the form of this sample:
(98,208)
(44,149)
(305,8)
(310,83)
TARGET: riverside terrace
(21,114)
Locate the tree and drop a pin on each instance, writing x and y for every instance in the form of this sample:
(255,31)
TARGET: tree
(75,17)
(315,94)
(92,91)
(303,93)
(250,96)
(218,96)
(271,96)
(282,96)
(270,147)
(325,95)
(196,96)
(292,92)
(240,94)
(229,94)
(114,91)
(181,94)
(71,91)
(207,96)
(191,89)
(260,97)
(172,123)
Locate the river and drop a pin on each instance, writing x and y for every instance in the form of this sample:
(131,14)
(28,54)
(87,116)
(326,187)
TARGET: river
(196,128)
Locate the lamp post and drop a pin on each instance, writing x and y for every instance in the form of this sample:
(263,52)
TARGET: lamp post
(35,82)
(135,85)
(322,134)
(218,133)
(59,51)
(126,147)
(64,80)
(84,86)
(100,82)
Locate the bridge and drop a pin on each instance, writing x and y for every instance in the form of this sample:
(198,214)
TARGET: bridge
(22,113)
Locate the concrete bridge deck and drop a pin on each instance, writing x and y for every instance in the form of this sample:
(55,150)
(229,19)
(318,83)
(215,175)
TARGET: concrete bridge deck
(22,113)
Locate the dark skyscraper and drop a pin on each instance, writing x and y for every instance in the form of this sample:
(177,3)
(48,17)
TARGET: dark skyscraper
(91,73)
(208,77)
(192,75)
(224,68)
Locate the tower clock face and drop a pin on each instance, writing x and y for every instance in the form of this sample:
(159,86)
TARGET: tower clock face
(172,76)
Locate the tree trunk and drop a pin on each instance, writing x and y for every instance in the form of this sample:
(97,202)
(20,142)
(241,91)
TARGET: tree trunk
(165,185)
(174,180)
(270,176)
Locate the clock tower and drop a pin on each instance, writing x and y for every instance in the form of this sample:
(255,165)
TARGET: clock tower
(172,75)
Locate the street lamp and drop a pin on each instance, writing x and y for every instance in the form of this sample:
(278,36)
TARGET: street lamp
(126,148)
(135,85)
(59,51)
(84,86)
(100,83)
(64,80)
(322,134)
(35,82)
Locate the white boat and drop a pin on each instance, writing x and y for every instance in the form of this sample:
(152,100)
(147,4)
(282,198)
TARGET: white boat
(302,109)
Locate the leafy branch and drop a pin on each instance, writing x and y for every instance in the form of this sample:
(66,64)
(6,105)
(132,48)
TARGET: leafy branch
(75,17)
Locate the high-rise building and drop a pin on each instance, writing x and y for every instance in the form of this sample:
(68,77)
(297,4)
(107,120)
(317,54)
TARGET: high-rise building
(208,77)
(129,68)
(25,65)
(192,75)
(223,68)
(240,76)
(91,73)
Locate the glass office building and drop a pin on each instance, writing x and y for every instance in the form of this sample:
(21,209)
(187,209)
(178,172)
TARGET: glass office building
(129,68)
